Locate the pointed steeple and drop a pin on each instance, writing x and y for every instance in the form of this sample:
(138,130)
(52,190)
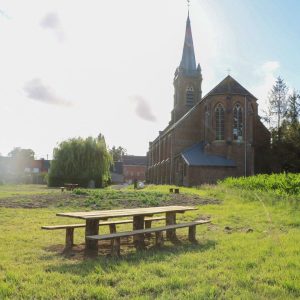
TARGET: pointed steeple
(188,61)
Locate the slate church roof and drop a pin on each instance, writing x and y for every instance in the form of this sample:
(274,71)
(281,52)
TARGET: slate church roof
(229,86)
(188,61)
(195,156)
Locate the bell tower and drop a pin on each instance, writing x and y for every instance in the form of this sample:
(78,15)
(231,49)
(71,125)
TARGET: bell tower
(187,78)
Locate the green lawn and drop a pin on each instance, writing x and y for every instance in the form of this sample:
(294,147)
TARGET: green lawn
(250,251)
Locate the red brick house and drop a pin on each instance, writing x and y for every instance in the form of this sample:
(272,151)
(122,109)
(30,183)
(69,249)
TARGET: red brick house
(210,137)
(134,168)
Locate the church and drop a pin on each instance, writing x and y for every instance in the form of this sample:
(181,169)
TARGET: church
(211,137)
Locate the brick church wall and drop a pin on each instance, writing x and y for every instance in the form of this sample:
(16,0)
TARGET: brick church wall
(210,175)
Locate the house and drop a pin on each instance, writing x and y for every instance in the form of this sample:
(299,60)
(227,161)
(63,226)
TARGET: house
(31,171)
(130,168)
(134,168)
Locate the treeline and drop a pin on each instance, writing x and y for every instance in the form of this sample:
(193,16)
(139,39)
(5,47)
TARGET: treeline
(282,117)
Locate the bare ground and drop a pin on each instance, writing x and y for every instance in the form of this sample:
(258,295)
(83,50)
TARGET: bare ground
(69,199)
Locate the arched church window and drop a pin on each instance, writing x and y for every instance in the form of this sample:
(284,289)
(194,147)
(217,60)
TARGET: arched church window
(189,94)
(219,112)
(237,123)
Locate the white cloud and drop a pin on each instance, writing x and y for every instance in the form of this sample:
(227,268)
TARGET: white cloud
(143,109)
(37,90)
(52,22)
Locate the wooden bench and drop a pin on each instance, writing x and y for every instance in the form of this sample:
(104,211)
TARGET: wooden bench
(115,237)
(70,186)
(112,227)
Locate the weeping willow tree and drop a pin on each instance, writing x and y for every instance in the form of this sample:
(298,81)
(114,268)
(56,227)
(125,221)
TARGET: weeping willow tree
(80,161)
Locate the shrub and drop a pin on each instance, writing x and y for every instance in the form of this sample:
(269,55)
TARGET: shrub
(282,184)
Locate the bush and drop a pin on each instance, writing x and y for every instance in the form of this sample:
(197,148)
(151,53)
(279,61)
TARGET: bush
(282,184)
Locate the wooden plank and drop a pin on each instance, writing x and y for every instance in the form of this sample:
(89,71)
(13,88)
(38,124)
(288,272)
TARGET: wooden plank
(125,212)
(54,227)
(143,231)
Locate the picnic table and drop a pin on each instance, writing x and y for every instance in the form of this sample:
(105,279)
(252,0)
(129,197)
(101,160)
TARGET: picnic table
(93,218)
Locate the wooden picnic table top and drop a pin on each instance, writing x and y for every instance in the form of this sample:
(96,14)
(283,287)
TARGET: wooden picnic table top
(105,214)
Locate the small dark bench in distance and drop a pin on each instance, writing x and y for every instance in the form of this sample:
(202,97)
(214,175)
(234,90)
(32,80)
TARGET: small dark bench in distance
(112,227)
(70,186)
(115,237)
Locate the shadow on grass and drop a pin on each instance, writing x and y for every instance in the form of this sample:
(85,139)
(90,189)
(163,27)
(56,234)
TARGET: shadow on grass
(86,265)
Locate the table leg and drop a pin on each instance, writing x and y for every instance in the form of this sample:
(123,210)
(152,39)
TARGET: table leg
(92,228)
(171,220)
(69,238)
(138,223)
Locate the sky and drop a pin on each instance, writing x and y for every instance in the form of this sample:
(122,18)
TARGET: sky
(80,68)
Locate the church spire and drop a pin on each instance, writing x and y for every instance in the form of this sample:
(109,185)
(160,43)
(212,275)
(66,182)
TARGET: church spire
(188,61)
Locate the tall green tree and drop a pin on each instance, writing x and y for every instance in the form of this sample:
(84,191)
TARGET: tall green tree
(117,153)
(80,161)
(20,159)
(278,103)
(285,154)
(293,108)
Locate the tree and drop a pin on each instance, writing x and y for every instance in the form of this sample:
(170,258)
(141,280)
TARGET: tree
(286,154)
(286,136)
(19,153)
(117,153)
(21,158)
(293,109)
(278,103)
(80,161)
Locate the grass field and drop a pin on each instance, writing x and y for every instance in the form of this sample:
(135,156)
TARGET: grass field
(250,251)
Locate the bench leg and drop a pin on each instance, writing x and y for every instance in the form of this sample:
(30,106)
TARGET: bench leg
(138,223)
(115,247)
(192,233)
(92,228)
(112,229)
(159,238)
(171,220)
(148,224)
(69,238)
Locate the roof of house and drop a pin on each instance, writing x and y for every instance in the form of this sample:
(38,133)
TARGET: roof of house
(132,160)
(195,156)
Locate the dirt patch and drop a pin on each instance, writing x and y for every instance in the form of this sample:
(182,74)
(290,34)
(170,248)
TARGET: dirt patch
(40,201)
(185,199)
(70,199)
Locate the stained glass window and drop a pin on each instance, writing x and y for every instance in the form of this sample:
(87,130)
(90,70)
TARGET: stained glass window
(237,123)
(219,122)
